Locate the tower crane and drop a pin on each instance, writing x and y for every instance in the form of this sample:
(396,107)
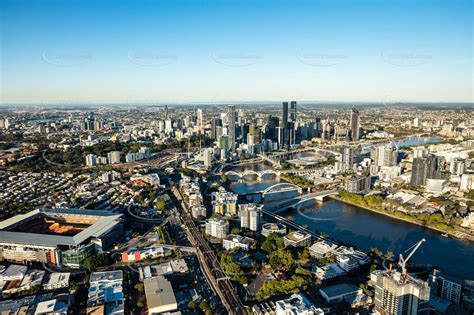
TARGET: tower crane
(402,262)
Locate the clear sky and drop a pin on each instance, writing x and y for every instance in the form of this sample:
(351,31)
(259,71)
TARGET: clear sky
(256,50)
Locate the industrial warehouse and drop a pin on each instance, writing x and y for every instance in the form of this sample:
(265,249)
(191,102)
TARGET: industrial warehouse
(58,236)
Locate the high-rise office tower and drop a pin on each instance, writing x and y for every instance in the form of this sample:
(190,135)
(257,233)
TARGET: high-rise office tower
(231,114)
(207,156)
(292,124)
(293,111)
(318,127)
(200,119)
(244,130)
(270,129)
(166,112)
(168,126)
(215,122)
(284,124)
(355,124)
(288,123)
(398,295)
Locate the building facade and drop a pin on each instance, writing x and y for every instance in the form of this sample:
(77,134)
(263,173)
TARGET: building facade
(397,295)
(217,228)
(250,216)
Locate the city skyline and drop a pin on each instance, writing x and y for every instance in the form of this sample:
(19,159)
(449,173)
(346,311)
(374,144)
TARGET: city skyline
(236,157)
(61,52)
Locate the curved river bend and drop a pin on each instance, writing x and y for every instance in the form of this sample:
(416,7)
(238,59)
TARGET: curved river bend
(366,230)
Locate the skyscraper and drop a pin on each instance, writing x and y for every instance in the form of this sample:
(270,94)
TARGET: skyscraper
(200,119)
(215,122)
(270,129)
(292,124)
(284,124)
(423,168)
(207,156)
(419,172)
(293,111)
(166,112)
(231,132)
(355,124)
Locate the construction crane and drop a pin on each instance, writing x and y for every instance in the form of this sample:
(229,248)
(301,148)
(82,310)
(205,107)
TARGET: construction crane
(402,262)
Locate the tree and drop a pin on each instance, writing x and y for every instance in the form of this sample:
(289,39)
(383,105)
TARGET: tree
(91,263)
(139,287)
(204,305)
(288,286)
(235,230)
(192,305)
(304,256)
(160,205)
(389,255)
(272,243)
(73,287)
(281,259)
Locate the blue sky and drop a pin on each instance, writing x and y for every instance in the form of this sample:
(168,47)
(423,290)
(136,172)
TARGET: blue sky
(210,51)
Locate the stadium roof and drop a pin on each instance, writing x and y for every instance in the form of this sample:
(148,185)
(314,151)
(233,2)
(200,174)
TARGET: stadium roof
(106,221)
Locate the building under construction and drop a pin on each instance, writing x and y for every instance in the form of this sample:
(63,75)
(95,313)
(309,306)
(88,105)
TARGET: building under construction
(396,294)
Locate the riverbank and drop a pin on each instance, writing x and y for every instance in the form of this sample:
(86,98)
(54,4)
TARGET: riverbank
(454,234)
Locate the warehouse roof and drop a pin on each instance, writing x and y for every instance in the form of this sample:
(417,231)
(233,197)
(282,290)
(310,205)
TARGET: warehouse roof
(159,293)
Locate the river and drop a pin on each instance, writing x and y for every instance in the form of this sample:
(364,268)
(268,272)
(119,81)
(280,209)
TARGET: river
(366,229)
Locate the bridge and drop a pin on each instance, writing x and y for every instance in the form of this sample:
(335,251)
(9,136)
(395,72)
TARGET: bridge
(251,172)
(295,226)
(182,248)
(281,187)
(298,201)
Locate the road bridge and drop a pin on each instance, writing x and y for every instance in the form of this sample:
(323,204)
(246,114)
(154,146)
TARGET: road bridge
(295,226)
(295,202)
(251,172)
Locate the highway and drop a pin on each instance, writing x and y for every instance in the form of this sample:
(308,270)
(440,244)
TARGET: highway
(210,264)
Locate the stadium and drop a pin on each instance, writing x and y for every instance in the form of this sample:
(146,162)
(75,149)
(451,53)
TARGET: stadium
(58,236)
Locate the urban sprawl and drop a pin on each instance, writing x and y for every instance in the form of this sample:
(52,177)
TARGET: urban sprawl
(192,209)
